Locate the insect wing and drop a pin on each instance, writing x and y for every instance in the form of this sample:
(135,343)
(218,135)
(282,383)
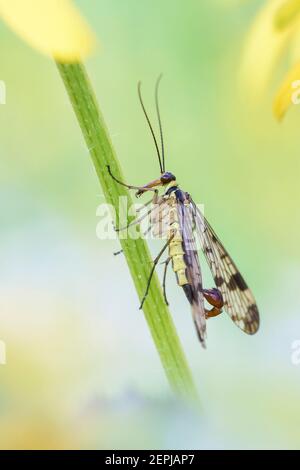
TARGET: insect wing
(193,290)
(239,302)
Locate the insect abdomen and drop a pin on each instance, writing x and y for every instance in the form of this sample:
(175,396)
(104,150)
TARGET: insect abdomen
(176,251)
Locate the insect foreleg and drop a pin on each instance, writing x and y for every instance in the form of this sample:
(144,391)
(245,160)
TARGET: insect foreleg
(155,262)
(140,189)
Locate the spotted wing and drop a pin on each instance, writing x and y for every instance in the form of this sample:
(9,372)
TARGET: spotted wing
(193,290)
(239,302)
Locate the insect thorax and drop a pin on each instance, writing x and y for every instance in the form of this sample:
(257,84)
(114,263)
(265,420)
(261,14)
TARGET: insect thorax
(171,187)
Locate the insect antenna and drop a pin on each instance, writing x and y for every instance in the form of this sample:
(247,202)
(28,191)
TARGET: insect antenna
(150,127)
(159,122)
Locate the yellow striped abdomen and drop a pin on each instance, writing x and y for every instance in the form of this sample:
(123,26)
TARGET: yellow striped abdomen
(176,252)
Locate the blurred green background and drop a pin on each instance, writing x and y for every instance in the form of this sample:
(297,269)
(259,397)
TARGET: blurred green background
(82,371)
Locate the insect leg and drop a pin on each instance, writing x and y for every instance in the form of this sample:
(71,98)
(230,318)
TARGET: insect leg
(166,263)
(116,253)
(214,298)
(139,219)
(139,209)
(134,222)
(145,233)
(155,262)
(140,189)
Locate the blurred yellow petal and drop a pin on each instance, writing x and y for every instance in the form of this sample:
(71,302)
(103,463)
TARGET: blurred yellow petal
(263,49)
(54,27)
(287,13)
(288,94)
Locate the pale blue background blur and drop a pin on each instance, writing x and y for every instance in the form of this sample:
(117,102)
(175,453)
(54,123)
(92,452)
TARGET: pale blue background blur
(82,371)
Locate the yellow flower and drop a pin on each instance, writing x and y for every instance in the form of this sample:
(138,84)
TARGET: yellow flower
(288,93)
(276,30)
(54,27)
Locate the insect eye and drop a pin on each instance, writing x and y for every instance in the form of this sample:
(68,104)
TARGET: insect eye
(167,178)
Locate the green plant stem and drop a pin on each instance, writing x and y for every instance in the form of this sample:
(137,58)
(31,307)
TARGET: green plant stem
(136,251)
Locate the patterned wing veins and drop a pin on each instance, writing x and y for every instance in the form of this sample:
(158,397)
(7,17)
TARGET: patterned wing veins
(239,302)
